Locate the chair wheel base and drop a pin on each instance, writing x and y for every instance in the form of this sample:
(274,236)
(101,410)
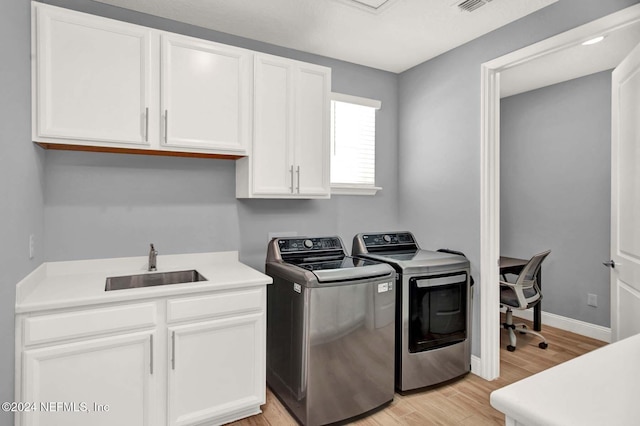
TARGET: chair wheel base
(511,348)
(543,345)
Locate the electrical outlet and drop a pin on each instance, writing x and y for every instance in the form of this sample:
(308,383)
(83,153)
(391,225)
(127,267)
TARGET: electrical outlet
(592,300)
(32,246)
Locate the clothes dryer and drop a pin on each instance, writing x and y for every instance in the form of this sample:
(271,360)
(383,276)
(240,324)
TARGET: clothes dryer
(433,308)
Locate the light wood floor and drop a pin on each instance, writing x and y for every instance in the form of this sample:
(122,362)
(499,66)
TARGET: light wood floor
(462,402)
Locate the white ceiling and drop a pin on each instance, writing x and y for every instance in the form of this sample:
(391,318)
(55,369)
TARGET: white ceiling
(395,36)
(572,62)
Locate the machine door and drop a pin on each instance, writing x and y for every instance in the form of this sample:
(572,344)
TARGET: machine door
(437,311)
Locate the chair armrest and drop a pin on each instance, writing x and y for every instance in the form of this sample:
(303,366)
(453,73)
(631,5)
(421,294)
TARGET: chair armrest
(508,284)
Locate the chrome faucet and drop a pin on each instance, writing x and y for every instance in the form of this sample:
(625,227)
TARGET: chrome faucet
(153,253)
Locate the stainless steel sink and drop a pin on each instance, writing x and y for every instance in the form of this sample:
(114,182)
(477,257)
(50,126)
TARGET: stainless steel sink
(149,280)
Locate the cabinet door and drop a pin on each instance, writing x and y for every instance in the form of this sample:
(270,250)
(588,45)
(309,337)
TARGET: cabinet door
(205,92)
(91,78)
(104,381)
(216,370)
(312,142)
(272,155)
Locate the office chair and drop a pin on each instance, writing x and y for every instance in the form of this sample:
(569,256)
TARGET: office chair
(524,293)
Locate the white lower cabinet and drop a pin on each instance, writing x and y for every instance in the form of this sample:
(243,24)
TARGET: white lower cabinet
(105,381)
(216,370)
(197,360)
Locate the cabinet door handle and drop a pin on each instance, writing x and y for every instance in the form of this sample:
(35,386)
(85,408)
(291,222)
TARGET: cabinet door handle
(291,171)
(166,125)
(146,124)
(173,350)
(298,171)
(151,354)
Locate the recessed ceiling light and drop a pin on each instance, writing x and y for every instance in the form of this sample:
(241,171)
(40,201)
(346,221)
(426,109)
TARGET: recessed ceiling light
(593,41)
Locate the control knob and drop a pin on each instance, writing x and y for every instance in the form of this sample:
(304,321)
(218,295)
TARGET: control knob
(308,243)
(387,239)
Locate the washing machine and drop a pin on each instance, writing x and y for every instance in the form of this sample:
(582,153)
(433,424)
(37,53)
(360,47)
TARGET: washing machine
(330,330)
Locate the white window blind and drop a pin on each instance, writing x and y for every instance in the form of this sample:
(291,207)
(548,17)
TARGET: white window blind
(353,141)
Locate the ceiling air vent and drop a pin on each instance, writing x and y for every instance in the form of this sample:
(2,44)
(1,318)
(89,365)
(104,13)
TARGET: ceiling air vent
(471,5)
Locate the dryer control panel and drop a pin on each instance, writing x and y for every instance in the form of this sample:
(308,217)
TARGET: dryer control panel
(388,239)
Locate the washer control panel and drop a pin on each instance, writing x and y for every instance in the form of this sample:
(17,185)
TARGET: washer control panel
(388,239)
(292,245)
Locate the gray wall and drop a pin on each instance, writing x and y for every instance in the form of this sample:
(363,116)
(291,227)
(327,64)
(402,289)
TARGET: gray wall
(439,127)
(89,205)
(21,169)
(110,205)
(107,205)
(555,177)
(97,205)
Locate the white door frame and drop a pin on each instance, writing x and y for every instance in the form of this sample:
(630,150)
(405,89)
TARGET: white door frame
(489,363)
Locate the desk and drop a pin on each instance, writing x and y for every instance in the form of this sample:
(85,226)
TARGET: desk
(595,389)
(513,265)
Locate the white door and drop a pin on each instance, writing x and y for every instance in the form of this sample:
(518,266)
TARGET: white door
(105,381)
(205,90)
(216,368)
(625,198)
(92,78)
(272,153)
(312,142)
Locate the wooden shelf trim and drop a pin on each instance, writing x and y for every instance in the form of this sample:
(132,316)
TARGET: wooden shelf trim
(135,151)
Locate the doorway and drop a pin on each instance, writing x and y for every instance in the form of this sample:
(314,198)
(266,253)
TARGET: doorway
(522,66)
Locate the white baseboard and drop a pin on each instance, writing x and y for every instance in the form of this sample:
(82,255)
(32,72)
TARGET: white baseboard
(476,366)
(563,323)
(569,324)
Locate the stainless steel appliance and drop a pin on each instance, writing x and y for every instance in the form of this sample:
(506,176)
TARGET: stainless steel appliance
(433,308)
(330,330)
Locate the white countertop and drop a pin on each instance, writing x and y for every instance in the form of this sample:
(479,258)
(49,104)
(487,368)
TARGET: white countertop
(77,283)
(599,388)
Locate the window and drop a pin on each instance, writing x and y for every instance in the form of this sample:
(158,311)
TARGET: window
(353,145)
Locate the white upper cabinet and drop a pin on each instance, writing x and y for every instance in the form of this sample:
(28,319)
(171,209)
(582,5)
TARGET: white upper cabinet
(312,152)
(205,94)
(272,153)
(105,83)
(92,79)
(289,157)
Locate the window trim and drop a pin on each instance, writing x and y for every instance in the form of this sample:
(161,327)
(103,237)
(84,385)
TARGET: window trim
(353,189)
(346,188)
(341,97)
